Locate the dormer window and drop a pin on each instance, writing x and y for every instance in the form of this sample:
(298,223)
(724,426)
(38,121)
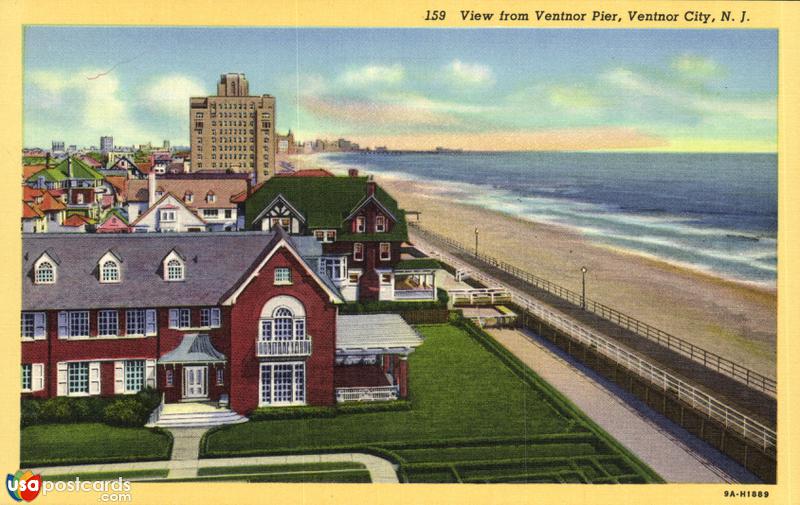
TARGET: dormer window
(45,273)
(44,269)
(109,272)
(174,270)
(211,197)
(188,197)
(380,224)
(174,267)
(361,224)
(109,268)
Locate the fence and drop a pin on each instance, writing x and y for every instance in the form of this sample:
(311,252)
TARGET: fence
(732,419)
(698,354)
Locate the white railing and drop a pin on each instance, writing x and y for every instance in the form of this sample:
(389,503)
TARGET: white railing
(731,418)
(269,348)
(156,414)
(367,394)
(479,296)
(413,294)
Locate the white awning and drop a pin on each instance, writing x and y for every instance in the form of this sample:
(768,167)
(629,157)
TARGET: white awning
(375,334)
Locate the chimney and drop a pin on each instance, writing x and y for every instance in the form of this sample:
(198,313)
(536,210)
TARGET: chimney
(370,186)
(151,188)
(47,160)
(352,172)
(69,166)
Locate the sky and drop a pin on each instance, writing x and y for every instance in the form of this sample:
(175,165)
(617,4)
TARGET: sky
(489,89)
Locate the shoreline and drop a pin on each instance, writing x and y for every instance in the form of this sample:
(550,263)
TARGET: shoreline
(734,319)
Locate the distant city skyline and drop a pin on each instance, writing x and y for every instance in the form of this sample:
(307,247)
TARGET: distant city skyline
(562,89)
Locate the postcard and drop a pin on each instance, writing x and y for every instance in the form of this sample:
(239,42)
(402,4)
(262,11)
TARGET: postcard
(484,252)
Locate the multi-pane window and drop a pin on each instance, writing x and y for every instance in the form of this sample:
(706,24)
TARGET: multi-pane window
(380,224)
(169,378)
(135,322)
(325,236)
(283,326)
(358,251)
(282,383)
(174,270)
(334,268)
(283,275)
(134,375)
(34,325)
(78,324)
(78,378)
(167,216)
(180,318)
(361,224)
(107,323)
(385,251)
(45,273)
(109,272)
(27,377)
(210,317)
(220,376)
(211,213)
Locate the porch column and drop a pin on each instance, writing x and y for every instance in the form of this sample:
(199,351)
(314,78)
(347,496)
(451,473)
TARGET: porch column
(401,376)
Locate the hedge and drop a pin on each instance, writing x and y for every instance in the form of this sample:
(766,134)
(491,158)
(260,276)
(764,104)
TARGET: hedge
(393,306)
(119,410)
(272,414)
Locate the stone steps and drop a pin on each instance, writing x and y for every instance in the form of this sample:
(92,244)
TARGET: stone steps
(197,419)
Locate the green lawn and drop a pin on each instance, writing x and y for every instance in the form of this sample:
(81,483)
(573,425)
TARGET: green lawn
(128,474)
(475,418)
(289,468)
(62,444)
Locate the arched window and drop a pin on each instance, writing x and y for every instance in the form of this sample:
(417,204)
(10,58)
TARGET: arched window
(109,272)
(174,270)
(283,318)
(45,273)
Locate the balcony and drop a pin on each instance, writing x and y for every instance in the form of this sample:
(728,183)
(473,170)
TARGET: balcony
(273,348)
(366,394)
(414,294)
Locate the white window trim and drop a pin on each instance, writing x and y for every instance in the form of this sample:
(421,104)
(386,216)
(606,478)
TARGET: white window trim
(358,257)
(149,320)
(94,379)
(167,215)
(42,259)
(121,371)
(109,335)
(271,366)
(388,256)
(361,224)
(177,317)
(282,282)
(271,337)
(42,317)
(380,224)
(214,314)
(109,257)
(37,377)
(341,267)
(64,316)
(165,266)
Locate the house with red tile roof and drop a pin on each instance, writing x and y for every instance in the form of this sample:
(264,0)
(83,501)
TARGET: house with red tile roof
(42,210)
(114,222)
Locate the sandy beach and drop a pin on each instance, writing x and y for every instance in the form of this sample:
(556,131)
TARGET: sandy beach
(735,320)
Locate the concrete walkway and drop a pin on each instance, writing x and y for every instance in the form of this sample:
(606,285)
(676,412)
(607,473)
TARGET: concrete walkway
(185,447)
(380,470)
(669,450)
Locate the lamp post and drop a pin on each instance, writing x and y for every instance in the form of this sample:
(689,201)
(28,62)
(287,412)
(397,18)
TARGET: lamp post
(583,284)
(476,242)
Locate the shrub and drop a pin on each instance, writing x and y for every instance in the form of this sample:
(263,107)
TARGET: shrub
(126,412)
(57,410)
(269,413)
(30,412)
(366,407)
(149,398)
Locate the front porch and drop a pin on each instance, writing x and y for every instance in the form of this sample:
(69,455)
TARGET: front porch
(415,279)
(195,371)
(372,357)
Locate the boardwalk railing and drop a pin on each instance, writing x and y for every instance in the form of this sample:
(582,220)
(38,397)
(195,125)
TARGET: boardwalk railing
(479,296)
(731,418)
(707,358)
(366,394)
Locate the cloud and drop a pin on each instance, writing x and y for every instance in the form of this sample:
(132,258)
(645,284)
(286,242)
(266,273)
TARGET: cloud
(170,94)
(84,106)
(372,114)
(696,67)
(373,74)
(689,98)
(469,74)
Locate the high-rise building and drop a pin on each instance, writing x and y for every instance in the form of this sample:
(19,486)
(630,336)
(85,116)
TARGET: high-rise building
(58,147)
(106,144)
(233,130)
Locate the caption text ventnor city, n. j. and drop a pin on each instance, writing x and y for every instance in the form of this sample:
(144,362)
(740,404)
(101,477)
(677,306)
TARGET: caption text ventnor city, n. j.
(593,16)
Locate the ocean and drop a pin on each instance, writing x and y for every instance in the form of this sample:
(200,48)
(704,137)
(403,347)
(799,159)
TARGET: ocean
(715,213)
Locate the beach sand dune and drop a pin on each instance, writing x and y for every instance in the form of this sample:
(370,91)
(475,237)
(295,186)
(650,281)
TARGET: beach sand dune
(737,321)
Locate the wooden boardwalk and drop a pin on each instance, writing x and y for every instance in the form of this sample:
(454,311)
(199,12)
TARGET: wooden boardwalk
(754,403)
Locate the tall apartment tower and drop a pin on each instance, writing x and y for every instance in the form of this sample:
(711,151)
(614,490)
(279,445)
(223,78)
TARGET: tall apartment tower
(106,144)
(233,130)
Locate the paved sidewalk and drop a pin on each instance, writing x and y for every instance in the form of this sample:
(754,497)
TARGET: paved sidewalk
(380,470)
(185,447)
(670,451)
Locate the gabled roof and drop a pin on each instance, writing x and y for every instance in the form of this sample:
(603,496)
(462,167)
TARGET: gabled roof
(178,204)
(30,211)
(207,279)
(325,201)
(49,174)
(281,199)
(51,203)
(76,220)
(223,188)
(80,169)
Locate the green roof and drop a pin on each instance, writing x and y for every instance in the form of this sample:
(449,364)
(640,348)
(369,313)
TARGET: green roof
(49,174)
(418,264)
(325,203)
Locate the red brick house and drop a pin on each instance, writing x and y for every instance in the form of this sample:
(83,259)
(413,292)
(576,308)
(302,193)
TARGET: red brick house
(244,318)
(361,229)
